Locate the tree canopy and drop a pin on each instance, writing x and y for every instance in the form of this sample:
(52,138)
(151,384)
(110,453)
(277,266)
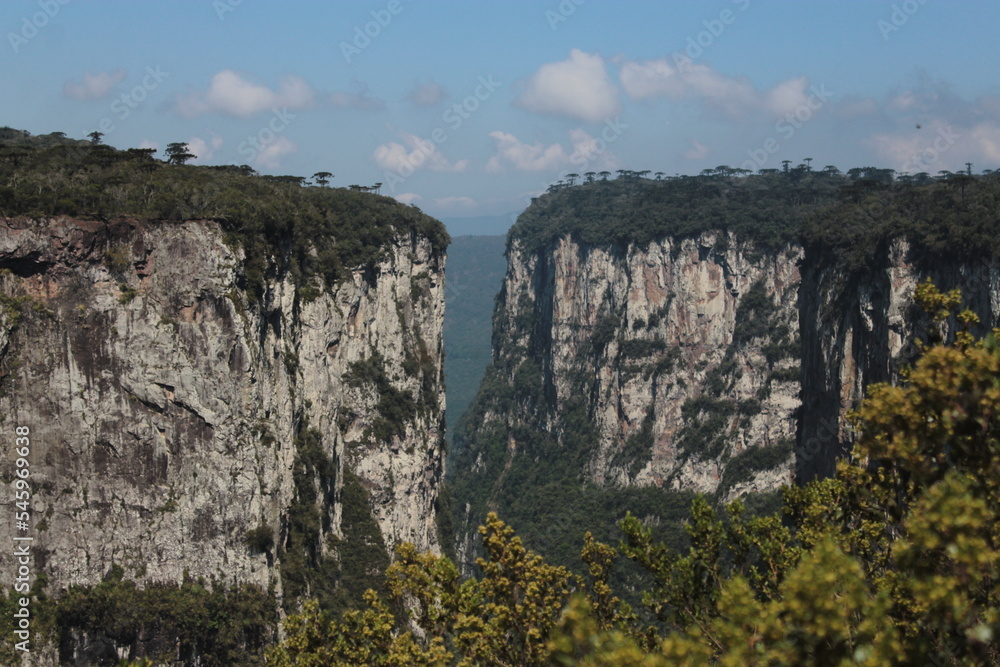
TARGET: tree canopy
(850,214)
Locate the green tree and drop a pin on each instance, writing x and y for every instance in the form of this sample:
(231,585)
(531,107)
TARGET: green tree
(177,153)
(503,619)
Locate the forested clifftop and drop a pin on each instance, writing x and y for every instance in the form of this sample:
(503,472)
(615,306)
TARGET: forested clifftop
(229,414)
(654,339)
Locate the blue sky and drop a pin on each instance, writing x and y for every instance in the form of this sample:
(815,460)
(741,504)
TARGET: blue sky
(470,108)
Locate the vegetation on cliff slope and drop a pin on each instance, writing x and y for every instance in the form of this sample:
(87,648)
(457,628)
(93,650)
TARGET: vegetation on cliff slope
(891,562)
(284,226)
(196,619)
(315,236)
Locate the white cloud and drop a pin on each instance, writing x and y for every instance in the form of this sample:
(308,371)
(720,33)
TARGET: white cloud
(578,88)
(231,94)
(934,129)
(204,150)
(904,101)
(585,152)
(653,78)
(590,153)
(413,154)
(427,94)
(360,98)
(273,153)
(914,151)
(939,145)
(986,136)
(733,96)
(788,96)
(147,143)
(698,150)
(525,157)
(94,86)
(407,197)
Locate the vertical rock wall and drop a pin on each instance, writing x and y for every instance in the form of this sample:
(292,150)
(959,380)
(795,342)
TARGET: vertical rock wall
(164,403)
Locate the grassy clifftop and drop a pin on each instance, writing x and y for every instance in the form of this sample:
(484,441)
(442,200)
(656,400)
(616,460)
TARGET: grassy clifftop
(283,225)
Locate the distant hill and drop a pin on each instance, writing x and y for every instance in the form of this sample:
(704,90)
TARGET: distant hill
(475,271)
(483,225)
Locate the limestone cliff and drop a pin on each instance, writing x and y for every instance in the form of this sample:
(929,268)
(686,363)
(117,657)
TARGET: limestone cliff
(167,404)
(653,330)
(697,363)
(684,352)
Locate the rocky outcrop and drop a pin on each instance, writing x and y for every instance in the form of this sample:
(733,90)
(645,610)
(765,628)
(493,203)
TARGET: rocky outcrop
(167,404)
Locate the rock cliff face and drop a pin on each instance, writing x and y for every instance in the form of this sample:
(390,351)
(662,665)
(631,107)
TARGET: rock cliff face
(167,408)
(684,349)
(701,364)
(861,329)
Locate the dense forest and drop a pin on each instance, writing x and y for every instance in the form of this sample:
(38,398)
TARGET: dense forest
(846,219)
(951,214)
(286,229)
(284,225)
